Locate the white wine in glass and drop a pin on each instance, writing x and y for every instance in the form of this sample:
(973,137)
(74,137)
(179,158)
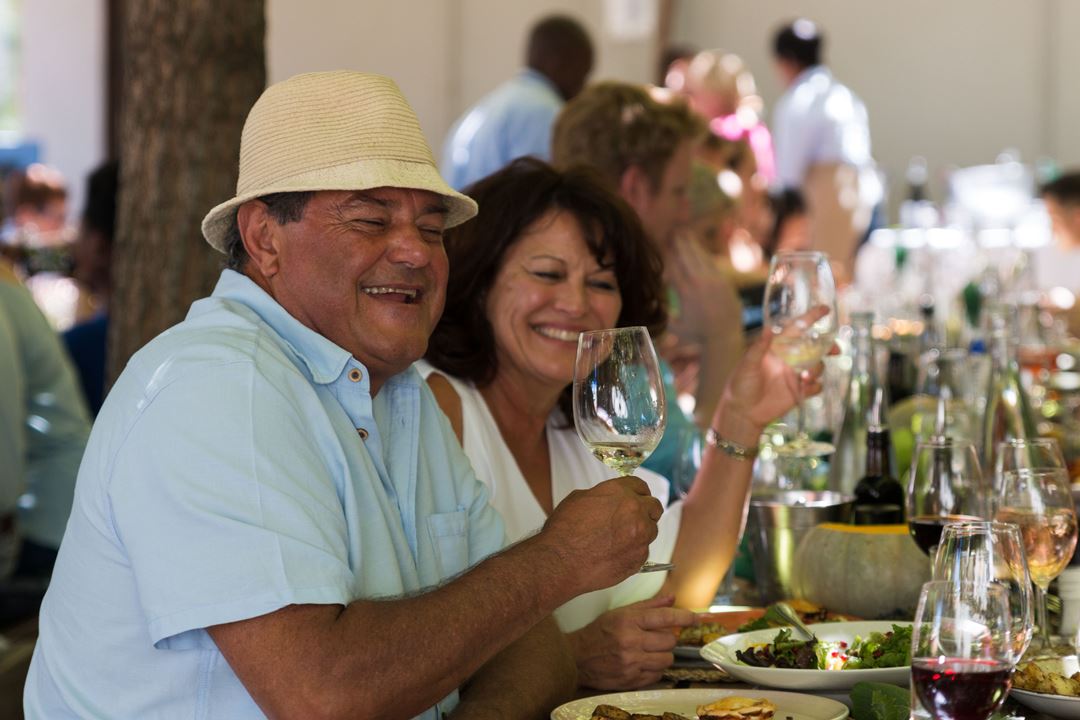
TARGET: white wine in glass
(800,313)
(619,407)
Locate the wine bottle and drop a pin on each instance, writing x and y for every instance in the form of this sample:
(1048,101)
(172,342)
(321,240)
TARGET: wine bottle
(849,460)
(879,498)
(1007,414)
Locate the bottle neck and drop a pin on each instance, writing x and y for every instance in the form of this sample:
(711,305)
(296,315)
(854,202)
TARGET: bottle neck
(877,453)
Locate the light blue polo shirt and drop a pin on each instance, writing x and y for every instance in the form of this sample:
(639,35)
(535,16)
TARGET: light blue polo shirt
(226,477)
(512,121)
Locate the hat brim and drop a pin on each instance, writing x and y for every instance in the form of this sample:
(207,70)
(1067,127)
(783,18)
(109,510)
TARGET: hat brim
(361,175)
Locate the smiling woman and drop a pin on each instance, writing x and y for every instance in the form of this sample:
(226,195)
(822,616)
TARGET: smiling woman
(551,255)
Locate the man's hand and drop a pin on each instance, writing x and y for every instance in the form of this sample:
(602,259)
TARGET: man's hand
(602,534)
(629,647)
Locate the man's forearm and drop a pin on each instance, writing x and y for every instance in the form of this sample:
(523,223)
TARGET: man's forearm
(526,680)
(362,660)
(462,625)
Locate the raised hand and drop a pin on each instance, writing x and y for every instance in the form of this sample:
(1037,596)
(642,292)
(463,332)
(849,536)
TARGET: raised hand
(629,647)
(763,387)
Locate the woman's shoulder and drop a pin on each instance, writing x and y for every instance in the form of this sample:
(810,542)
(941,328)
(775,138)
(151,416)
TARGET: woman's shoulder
(447,392)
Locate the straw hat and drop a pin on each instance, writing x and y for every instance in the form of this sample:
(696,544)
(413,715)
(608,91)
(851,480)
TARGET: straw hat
(332,131)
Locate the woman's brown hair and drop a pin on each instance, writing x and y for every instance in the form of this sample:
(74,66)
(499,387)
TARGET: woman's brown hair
(511,200)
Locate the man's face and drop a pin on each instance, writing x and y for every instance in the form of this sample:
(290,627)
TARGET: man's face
(368,271)
(668,208)
(1065,223)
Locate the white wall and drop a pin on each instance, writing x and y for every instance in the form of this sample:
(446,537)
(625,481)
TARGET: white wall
(62,84)
(445,54)
(954,81)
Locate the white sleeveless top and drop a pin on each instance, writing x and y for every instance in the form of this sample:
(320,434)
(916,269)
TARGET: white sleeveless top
(572,468)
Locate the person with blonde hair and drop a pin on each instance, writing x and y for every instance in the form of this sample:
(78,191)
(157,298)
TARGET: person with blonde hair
(644,149)
(721,88)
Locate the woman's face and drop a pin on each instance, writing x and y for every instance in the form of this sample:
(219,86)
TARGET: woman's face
(549,289)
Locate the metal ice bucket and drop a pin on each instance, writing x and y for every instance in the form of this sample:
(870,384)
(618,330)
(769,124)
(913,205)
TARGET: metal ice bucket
(777,522)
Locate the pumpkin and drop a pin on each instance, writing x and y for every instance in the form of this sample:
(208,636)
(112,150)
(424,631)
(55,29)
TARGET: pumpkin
(869,571)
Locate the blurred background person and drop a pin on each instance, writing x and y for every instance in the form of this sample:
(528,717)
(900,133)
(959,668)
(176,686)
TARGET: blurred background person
(644,149)
(735,167)
(790,229)
(1062,198)
(92,252)
(671,72)
(822,138)
(35,207)
(515,119)
(55,426)
(721,88)
(716,198)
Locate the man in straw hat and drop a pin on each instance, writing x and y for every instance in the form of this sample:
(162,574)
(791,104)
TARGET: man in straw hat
(272,515)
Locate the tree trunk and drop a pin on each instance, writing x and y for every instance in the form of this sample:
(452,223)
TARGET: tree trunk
(192,70)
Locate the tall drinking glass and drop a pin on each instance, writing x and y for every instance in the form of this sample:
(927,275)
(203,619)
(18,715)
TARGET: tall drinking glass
(984,553)
(619,407)
(961,650)
(1033,492)
(800,312)
(945,485)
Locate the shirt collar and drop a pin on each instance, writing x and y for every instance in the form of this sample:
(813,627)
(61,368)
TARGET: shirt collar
(541,79)
(810,72)
(324,360)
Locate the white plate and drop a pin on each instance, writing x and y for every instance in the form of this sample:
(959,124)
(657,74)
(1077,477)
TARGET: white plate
(721,653)
(1059,706)
(686,702)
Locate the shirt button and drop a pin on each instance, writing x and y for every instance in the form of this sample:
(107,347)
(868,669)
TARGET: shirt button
(355,375)
(362,433)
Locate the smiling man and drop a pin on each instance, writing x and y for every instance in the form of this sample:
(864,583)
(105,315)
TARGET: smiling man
(273,516)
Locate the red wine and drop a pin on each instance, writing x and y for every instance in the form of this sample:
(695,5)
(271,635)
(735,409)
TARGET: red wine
(952,689)
(927,529)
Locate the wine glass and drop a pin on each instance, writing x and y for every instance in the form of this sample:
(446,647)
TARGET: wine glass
(961,649)
(1033,492)
(945,485)
(619,406)
(800,312)
(983,552)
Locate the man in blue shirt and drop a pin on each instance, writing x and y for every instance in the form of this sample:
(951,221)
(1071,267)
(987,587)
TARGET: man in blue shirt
(272,515)
(515,119)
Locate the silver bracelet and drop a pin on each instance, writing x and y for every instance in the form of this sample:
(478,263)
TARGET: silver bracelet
(733,449)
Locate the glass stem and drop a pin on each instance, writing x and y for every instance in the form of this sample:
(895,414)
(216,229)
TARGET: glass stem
(800,409)
(1040,616)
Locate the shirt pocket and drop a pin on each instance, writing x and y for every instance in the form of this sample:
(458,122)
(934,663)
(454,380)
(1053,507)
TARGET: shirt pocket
(450,538)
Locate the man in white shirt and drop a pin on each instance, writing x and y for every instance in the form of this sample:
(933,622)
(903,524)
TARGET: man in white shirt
(822,139)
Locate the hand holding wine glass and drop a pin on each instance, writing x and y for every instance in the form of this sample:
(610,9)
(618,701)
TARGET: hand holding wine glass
(619,407)
(945,485)
(1033,492)
(961,650)
(800,313)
